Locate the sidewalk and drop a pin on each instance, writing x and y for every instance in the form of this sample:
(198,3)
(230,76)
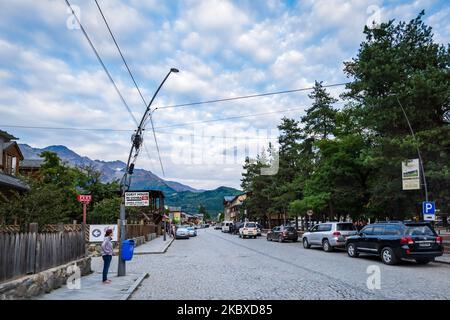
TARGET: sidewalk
(155,246)
(92,288)
(445,258)
(120,288)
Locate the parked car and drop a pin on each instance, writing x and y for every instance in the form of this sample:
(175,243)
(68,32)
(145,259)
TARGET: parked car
(182,233)
(248,230)
(328,235)
(226,226)
(218,226)
(192,231)
(282,233)
(237,226)
(394,241)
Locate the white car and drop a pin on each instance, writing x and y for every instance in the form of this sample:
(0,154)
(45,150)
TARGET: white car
(182,233)
(226,226)
(248,230)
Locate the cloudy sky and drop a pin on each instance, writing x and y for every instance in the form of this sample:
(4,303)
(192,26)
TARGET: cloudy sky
(49,76)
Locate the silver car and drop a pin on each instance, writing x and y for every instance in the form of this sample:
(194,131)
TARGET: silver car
(328,235)
(182,233)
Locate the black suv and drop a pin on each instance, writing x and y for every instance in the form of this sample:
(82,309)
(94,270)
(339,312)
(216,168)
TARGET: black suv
(393,241)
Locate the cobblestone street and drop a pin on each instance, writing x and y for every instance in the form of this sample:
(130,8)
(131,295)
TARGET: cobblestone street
(216,265)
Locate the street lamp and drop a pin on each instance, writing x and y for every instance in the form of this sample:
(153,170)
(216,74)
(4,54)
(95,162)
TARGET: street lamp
(125,182)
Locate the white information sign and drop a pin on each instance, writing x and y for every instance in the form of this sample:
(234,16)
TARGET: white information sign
(97,232)
(411,174)
(137,199)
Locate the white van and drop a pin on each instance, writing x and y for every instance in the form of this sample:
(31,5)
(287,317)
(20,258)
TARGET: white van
(226,226)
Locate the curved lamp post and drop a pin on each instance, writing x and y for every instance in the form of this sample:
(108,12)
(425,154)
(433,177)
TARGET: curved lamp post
(125,182)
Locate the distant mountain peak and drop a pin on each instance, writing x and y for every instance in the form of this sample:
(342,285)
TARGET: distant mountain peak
(176,193)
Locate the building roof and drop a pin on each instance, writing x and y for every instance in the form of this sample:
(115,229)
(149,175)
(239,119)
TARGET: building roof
(31,163)
(12,182)
(6,135)
(10,144)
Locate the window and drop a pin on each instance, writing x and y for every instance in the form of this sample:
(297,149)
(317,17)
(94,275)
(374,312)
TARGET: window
(378,230)
(324,227)
(419,231)
(367,231)
(391,230)
(250,225)
(13,165)
(345,227)
(314,229)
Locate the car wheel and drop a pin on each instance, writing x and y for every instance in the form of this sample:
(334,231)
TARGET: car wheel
(295,240)
(267,238)
(351,251)
(388,256)
(280,239)
(306,244)
(423,261)
(326,246)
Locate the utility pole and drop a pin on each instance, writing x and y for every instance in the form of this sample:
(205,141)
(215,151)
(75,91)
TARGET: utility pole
(418,151)
(137,139)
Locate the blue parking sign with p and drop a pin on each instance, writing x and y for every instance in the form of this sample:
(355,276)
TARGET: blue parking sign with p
(428,207)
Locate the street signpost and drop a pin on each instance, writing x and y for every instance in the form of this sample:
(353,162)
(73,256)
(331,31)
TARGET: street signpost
(411,174)
(309,213)
(85,199)
(429,210)
(137,199)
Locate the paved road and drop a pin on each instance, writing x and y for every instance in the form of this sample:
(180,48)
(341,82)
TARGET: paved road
(215,265)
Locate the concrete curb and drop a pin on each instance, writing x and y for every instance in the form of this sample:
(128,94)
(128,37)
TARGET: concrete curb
(133,288)
(441,261)
(156,252)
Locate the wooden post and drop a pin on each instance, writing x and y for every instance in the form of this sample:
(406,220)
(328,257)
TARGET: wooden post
(60,227)
(33,227)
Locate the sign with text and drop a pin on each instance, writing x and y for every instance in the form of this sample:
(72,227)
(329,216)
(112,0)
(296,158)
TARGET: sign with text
(97,232)
(429,210)
(137,199)
(411,174)
(84,198)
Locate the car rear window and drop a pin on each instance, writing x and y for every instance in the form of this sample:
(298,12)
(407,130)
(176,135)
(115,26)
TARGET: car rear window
(419,231)
(345,227)
(250,225)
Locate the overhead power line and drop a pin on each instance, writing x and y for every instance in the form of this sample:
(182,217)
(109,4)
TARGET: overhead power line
(101,62)
(249,96)
(228,118)
(162,127)
(135,83)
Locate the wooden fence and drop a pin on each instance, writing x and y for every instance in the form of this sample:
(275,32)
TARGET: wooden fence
(28,253)
(139,230)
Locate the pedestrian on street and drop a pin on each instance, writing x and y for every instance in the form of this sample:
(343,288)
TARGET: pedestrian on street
(107,253)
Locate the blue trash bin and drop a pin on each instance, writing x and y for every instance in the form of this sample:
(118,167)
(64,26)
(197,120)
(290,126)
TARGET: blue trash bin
(127,250)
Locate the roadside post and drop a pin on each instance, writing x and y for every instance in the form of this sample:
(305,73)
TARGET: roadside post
(85,199)
(309,213)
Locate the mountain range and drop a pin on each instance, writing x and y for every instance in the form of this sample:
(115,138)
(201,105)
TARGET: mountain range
(176,193)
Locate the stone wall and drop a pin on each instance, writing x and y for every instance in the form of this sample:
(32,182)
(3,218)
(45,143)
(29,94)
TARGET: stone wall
(34,285)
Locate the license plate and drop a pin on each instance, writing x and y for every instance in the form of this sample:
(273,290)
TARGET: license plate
(424,244)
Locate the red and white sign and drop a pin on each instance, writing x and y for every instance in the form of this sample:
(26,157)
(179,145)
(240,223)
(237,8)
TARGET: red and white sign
(84,198)
(137,199)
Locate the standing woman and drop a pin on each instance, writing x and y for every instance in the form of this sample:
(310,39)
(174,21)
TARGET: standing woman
(107,253)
